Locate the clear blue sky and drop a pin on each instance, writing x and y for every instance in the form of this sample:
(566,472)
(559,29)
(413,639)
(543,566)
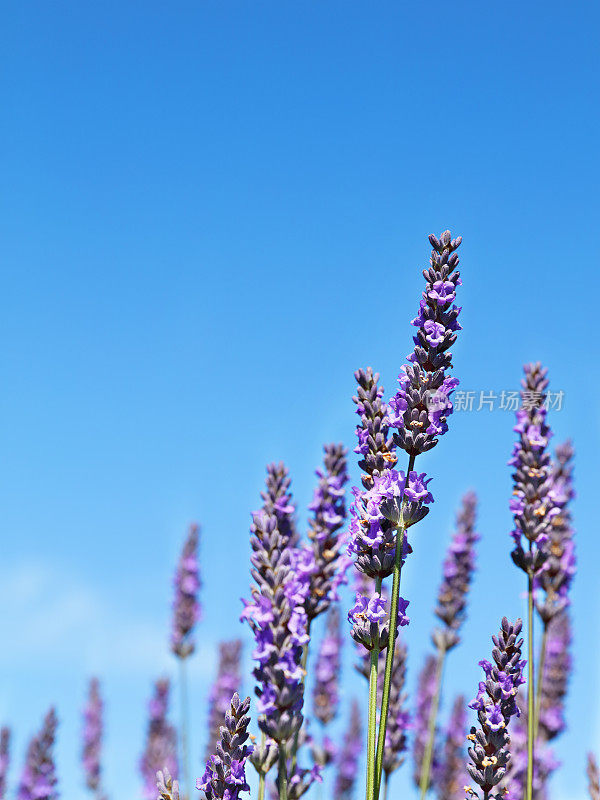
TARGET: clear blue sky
(212,213)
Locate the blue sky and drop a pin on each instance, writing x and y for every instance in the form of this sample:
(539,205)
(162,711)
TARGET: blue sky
(212,214)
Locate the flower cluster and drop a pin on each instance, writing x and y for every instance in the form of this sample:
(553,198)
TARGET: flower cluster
(374,442)
(228,682)
(450,776)
(369,619)
(349,756)
(327,670)
(168,788)
(92,737)
(160,752)
(225,774)
(186,610)
(329,514)
(4,759)
(426,688)
(532,505)
(495,705)
(457,573)
(38,780)
(420,408)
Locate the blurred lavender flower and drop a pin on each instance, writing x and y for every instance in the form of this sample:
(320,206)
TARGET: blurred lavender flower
(374,443)
(186,610)
(420,408)
(426,688)
(225,774)
(451,776)
(228,682)
(555,678)
(325,532)
(349,757)
(4,759)
(398,717)
(38,780)
(593,777)
(327,670)
(92,737)
(457,573)
(496,705)
(160,752)
(168,789)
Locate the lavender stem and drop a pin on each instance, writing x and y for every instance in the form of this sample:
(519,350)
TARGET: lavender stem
(530,688)
(540,673)
(389,659)
(282,775)
(428,756)
(372,729)
(185,762)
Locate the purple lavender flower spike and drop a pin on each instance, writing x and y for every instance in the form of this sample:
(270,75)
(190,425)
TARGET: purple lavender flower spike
(4,759)
(451,776)
(426,688)
(532,503)
(225,774)
(496,705)
(553,582)
(555,678)
(374,442)
(160,752)
(457,573)
(92,738)
(398,717)
(327,672)
(228,682)
(349,757)
(38,780)
(168,789)
(593,777)
(276,611)
(186,611)
(325,531)
(421,407)
(369,620)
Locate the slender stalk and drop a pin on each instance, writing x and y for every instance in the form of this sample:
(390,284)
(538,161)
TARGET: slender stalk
(530,690)
(184,729)
(372,727)
(282,772)
(261,786)
(540,678)
(428,756)
(389,658)
(386,785)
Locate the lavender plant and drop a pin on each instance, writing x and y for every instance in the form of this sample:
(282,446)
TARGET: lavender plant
(225,774)
(4,759)
(92,739)
(38,780)
(426,688)
(326,686)
(450,776)
(160,752)
(349,756)
(228,682)
(168,788)
(593,777)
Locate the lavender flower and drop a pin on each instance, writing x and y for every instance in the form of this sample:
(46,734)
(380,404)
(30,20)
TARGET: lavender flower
(92,737)
(420,408)
(276,611)
(225,774)
(329,514)
(349,756)
(451,776)
(186,611)
(426,688)
(593,778)
(553,581)
(228,681)
(369,620)
(38,780)
(160,752)
(168,789)
(398,717)
(327,671)
(4,759)
(458,570)
(532,504)
(495,705)
(374,442)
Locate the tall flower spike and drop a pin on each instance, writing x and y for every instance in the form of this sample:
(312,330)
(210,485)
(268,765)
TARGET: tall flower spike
(4,759)
(451,776)
(276,611)
(225,774)
(420,408)
(426,687)
(457,573)
(374,442)
(593,777)
(228,681)
(553,582)
(92,738)
(186,611)
(555,678)
(349,757)
(327,671)
(160,752)
(325,528)
(496,705)
(38,781)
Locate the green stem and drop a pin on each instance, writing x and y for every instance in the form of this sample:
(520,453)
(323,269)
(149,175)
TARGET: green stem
(428,756)
(184,732)
(540,679)
(261,786)
(389,658)
(530,690)
(282,772)
(386,784)
(372,728)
